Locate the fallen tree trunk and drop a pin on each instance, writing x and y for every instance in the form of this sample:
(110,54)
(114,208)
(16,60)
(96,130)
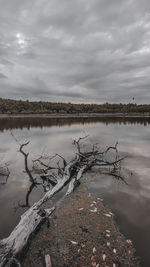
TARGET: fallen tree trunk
(11,246)
(67,173)
(75,181)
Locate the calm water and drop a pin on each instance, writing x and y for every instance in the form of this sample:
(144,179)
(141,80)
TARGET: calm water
(131,203)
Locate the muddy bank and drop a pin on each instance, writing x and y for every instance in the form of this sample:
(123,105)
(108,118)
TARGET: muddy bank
(82,232)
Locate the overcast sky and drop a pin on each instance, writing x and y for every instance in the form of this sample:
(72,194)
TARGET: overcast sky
(75,50)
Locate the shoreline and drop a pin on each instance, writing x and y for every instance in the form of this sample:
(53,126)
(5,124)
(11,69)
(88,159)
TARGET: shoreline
(78,115)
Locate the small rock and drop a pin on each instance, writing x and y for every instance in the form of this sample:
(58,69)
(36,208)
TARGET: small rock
(74,242)
(107,215)
(114,251)
(94,250)
(99,199)
(108,244)
(129,241)
(107,235)
(104,256)
(94,210)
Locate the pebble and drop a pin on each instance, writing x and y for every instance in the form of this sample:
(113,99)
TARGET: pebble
(114,250)
(99,199)
(129,241)
(104,257)
(94,210)
(107,235)
(74,242)
(94,250)
(108,215)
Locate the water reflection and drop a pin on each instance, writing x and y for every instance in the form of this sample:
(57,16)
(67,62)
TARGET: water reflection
(26,204)
(130,202)
(40,122)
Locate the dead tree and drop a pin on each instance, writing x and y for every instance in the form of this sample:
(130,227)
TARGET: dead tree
(63,173)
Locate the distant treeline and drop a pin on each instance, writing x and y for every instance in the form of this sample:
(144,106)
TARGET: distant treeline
(8,106)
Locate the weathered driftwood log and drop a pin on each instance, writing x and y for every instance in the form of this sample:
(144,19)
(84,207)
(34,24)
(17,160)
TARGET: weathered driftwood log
(12,245)
(63,173)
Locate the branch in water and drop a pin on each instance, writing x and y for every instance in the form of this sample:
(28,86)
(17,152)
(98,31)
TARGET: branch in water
(26,161)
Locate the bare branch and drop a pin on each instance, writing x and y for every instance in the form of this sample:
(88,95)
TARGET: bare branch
(119,177)
(32,180)
(77,143)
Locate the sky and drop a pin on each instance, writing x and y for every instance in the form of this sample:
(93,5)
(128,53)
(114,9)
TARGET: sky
(80,51)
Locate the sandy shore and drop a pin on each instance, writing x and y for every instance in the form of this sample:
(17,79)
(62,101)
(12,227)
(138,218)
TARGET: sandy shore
(82,232)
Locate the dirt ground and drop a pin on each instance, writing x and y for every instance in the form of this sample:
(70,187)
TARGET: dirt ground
(82,233)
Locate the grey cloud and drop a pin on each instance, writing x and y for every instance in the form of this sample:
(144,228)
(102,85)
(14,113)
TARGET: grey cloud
(28,55)
(6,62)
(2,76)
(37,89)
(81,51)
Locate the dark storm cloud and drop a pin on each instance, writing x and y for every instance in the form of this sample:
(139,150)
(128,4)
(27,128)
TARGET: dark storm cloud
(81,51)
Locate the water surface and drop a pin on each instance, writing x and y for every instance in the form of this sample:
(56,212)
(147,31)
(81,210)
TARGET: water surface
(131,203)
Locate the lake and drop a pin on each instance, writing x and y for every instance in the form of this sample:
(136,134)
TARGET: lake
(130,202)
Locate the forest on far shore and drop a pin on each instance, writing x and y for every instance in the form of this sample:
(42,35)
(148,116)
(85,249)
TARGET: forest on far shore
(8,106)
